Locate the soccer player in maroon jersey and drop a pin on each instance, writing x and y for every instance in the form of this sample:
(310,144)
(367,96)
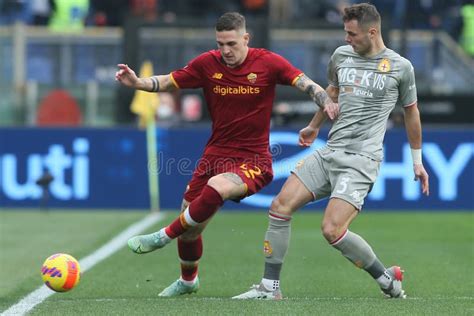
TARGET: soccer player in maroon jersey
(239,87)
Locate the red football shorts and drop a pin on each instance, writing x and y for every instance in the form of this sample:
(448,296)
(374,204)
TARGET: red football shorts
(254,172)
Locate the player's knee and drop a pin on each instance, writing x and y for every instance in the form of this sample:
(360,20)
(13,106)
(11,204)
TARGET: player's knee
(331,230)
(228,185)
(279,206)
(219,185)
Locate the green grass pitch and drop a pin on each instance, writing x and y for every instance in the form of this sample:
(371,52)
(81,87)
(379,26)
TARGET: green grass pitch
(435,249)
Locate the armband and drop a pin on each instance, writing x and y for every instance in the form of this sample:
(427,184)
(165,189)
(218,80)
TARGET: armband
(416,156)
(156,85)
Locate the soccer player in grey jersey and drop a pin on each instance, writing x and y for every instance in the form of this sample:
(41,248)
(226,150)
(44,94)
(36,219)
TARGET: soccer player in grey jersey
(368,80)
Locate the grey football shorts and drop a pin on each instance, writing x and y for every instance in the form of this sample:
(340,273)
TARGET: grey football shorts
(334,173)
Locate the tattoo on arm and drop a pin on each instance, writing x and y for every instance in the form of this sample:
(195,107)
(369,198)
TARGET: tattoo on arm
(302,82)
(307,85)
(320,98)
(233,177)
(311,90)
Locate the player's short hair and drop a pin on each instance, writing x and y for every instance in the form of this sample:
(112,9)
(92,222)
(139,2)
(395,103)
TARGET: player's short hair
(230,21)
(365,13)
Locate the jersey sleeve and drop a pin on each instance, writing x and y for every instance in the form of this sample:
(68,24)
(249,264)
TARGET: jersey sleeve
(332,71)
(287,74)
(407,87)
(189,77)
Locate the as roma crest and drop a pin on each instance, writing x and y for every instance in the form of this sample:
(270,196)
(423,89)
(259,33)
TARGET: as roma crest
(252,77)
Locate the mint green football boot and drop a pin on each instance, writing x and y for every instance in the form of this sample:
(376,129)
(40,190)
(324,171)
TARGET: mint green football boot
(147,243)
(179,288)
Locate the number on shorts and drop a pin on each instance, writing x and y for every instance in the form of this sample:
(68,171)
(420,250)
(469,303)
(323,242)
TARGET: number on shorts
(343,184)
(250,173)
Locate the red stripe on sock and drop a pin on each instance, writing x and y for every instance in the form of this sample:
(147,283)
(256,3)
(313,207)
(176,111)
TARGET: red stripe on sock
(339,238)
(279,216)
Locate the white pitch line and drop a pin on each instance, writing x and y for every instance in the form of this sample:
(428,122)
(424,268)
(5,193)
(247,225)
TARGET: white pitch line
(43,292)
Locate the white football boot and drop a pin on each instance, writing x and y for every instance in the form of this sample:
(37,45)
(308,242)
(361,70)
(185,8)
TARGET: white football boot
(259,292)
(395,288)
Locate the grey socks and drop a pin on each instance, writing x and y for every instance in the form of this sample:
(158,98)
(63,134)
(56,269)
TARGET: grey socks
(277,239)
(358,251)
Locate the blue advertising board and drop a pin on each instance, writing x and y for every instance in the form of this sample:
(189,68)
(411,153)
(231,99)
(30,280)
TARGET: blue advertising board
(92,168)
(107,168)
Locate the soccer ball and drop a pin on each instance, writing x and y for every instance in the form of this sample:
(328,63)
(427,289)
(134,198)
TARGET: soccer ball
(61,272)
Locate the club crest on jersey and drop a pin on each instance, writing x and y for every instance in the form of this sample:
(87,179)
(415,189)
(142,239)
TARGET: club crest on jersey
(384,65)
(217,75)
(252,77)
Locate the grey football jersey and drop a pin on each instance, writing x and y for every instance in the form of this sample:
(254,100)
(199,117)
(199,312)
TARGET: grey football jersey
(369,89)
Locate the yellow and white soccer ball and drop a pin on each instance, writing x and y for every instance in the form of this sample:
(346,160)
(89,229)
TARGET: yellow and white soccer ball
(61,272)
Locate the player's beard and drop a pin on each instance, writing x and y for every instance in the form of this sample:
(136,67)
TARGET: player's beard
(229,61)
(363,48)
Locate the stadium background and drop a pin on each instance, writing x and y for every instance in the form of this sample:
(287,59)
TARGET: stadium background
(51,78)
(63,115)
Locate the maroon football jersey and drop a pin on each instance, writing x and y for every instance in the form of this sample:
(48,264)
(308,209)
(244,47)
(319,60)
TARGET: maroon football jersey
(239,99)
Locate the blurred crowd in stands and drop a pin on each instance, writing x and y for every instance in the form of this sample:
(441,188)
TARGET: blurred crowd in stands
(456,17)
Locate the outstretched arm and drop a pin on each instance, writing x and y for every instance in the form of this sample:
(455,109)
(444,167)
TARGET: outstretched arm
(413,128)
(126,76)
(308,134)
(319,96)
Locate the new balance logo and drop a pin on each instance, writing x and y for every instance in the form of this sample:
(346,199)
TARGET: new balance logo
(348,60)
(217,75)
